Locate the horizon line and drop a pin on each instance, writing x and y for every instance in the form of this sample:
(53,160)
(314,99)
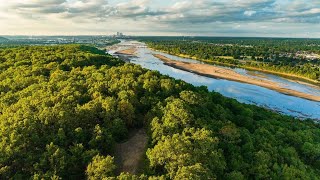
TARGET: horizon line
(284,37)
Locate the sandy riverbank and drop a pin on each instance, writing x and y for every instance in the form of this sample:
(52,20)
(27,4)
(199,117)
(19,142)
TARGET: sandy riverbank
(217,72)
(131,51)
(286,75)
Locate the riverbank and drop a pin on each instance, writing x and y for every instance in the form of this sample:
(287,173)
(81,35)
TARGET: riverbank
(285,75)
(131,51)
(216,72)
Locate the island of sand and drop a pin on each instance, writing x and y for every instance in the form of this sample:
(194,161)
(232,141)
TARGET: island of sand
(217,72)
(130,52)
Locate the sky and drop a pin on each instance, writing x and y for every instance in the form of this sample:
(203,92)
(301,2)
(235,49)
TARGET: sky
(249,18)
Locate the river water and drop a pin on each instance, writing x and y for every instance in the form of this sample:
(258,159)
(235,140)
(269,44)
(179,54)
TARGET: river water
(245,93)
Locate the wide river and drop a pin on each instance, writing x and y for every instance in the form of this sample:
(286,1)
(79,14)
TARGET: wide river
(245,93)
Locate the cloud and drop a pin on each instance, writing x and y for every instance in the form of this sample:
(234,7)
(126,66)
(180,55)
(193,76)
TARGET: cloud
(184,11)
(37,6)
(249,13)
(136,9)
(164,15)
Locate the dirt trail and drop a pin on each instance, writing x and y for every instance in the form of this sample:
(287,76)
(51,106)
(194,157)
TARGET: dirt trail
(217,72)
(128,155)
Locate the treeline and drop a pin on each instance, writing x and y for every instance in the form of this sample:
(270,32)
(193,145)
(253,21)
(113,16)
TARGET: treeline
(270,44)
(63,108)
(2,39)
(95,41)
(277,56)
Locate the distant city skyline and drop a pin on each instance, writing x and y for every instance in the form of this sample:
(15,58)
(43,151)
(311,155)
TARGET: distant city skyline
(246,18)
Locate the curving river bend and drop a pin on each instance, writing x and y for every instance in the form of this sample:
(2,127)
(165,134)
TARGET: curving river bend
(245,93)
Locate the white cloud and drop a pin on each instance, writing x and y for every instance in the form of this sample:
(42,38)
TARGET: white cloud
(101,16)
(249,13)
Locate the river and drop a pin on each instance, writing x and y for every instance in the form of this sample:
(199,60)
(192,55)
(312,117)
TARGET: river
(245,93)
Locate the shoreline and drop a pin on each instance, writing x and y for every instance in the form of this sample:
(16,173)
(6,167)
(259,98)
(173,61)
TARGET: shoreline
(130,51)
(285,75)
(216,72)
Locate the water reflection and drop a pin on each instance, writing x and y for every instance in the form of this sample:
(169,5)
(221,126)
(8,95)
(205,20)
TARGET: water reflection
(245,93)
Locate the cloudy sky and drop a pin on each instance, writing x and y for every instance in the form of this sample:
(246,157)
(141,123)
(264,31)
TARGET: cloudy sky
(281,18)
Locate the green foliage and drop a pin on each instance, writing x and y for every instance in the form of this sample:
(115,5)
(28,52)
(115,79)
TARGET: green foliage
(192,152)
(275,55)
(100,167)
(2,39)
(235,141)
(62,109)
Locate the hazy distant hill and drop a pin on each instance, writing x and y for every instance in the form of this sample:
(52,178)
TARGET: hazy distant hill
(2,39)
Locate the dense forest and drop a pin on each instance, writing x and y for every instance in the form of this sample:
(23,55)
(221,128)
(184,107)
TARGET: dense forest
(63,109)
(290,56)
(96,41)
(2,39)
(281,44)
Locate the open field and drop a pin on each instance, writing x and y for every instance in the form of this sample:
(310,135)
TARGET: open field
(225,57)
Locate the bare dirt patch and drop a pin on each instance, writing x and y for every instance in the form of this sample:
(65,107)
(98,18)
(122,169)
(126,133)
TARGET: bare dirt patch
(129,154)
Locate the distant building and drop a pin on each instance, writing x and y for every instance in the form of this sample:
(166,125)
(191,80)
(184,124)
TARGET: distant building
(119,34)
